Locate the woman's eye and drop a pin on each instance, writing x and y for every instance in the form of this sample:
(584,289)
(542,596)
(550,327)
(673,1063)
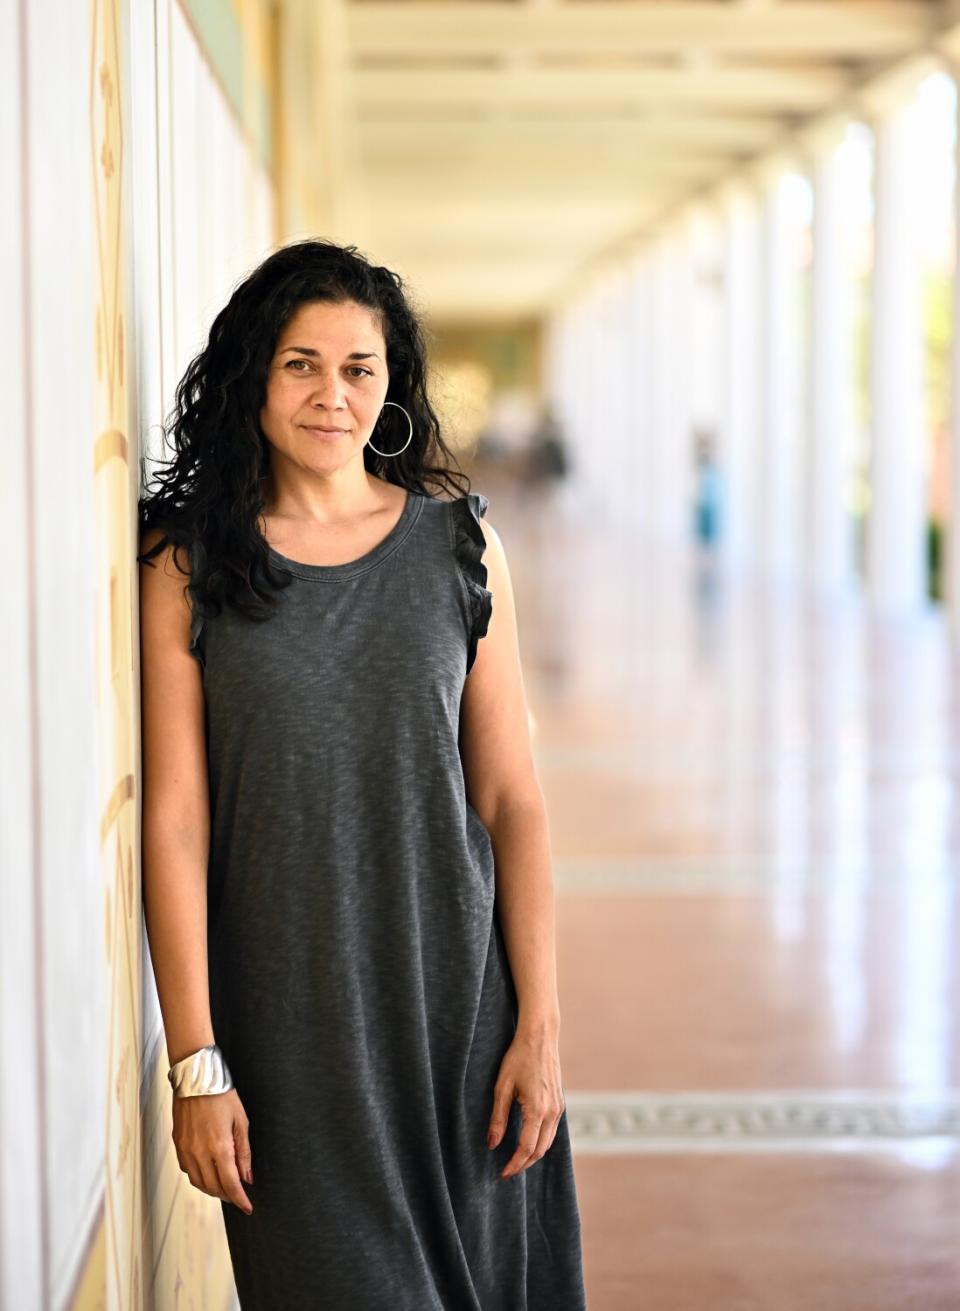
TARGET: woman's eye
(358,367)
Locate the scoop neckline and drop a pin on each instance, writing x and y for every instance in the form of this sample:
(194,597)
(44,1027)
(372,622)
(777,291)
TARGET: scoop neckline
(376,555)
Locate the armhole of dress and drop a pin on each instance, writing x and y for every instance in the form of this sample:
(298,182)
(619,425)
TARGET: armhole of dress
(197,645)
(197,637)
(469,544)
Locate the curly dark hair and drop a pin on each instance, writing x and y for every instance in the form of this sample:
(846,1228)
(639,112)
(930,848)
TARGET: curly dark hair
(210,494)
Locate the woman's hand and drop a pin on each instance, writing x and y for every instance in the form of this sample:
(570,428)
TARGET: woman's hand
(212,1139)
(529,1072)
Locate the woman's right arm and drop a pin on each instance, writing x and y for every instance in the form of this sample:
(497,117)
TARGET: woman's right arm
(208,1128)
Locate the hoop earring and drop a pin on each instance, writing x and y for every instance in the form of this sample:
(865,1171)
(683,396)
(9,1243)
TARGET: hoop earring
(388,455)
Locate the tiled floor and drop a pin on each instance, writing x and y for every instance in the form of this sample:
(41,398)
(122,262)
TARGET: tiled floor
(753,807)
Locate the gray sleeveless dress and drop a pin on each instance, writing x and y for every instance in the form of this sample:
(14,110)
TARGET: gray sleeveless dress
(360,988)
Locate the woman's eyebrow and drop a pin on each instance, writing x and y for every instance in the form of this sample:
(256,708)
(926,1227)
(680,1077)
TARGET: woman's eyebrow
(354,355)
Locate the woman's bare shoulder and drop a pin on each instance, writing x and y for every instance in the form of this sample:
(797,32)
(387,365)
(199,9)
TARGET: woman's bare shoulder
(165,609)
(168,560)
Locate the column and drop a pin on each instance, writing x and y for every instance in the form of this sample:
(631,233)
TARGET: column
(778,509)
(619,376)
(670,437)
(827,528)
(640,375)
(740,375)
(952,556)
(896,528)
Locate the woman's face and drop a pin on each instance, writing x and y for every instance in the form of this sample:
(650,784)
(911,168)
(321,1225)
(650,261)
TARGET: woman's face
(328,372)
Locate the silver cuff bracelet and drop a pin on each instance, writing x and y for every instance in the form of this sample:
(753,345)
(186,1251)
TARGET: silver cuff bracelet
(203,1072)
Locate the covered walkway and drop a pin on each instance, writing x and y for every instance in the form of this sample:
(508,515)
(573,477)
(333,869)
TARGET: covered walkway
(753,813)
(689,273)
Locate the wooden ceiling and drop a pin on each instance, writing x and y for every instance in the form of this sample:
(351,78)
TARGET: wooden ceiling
(490,150)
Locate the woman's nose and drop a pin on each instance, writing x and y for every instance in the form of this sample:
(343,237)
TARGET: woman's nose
(327,391)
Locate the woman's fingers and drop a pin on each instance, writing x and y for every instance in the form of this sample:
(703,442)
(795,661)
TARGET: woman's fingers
(502,1101)
(542,1138)
(230,1185)
(207,1170)
(241,1137)
(530,1074)
(220,1179)
(526,1145)
(548,1131)
(211,1136)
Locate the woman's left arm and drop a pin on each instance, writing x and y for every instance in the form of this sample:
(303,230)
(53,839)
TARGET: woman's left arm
(503,788)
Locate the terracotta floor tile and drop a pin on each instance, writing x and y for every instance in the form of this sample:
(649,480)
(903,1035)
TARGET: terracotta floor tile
(771,1233)
(753,802)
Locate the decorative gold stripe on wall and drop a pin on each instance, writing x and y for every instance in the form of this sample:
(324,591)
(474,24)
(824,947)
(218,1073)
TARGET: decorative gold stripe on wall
(124,790)
(111,444)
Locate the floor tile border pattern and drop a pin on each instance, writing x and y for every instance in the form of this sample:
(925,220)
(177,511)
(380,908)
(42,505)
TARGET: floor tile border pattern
(636,1122)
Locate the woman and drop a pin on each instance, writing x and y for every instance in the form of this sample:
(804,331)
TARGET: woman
(355,963)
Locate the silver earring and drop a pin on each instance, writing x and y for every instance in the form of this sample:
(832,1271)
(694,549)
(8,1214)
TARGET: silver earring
(390,454)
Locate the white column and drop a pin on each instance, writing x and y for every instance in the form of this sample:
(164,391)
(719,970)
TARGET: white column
(588,411)
(704,352)
(827,524)
(618,375)
(24,1181)
(572,339)
(640,374)
(778,526)
(740,375)
(662,378)
(671,478)
(896,544)
(563,375)
(600,409)
(595,405)
(574,384)
(679,466)
(952,556)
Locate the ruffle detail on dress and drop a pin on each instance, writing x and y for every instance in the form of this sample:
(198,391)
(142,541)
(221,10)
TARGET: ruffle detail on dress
(469,545)
(196,637)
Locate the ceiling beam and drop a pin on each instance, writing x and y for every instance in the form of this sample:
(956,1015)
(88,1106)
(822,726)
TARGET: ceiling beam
(522,175)
(423,133)
(772,89)
(472,29)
